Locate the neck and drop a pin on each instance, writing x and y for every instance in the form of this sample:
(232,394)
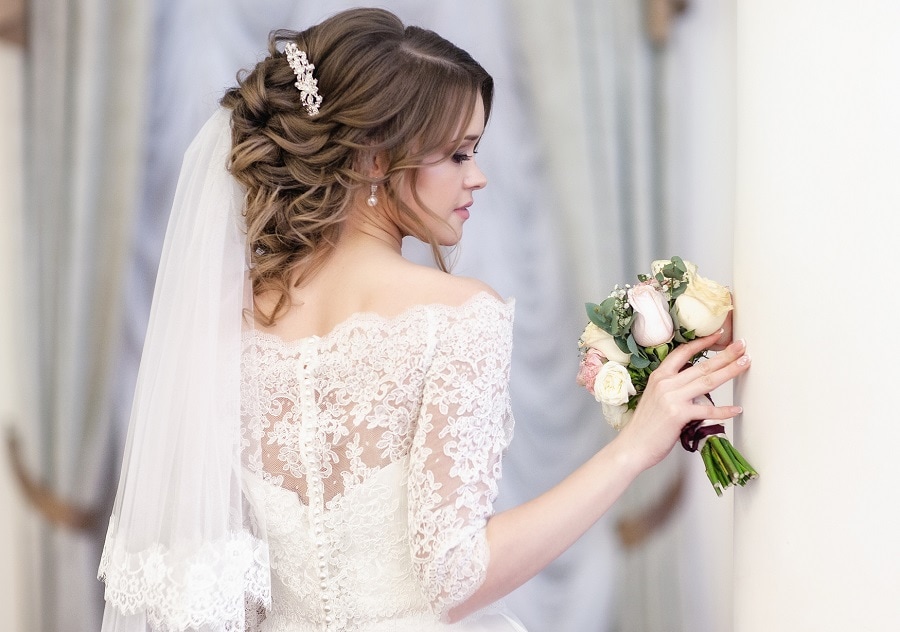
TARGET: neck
(368,229)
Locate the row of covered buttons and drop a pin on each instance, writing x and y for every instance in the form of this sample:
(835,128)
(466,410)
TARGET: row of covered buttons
(305,376)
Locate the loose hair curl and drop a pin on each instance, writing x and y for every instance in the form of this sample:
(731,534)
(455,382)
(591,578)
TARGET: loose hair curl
(401,92)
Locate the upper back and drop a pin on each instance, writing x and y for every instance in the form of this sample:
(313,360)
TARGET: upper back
(386,286)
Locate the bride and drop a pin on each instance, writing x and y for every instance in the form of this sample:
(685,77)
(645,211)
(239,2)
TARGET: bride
(318,425)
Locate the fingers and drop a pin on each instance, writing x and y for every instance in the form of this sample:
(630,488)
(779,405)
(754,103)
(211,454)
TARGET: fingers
(703,377)
(726,337)
(711,412)
(683,353)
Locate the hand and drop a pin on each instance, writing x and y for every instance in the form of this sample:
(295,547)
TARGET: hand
(674,396)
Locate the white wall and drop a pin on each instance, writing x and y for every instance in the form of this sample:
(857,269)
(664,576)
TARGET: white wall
(817,537)
(15,533)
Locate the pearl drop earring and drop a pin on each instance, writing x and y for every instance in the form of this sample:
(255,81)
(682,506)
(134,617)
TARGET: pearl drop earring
(372,200)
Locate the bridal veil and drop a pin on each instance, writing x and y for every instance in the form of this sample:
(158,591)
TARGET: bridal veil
(184,550)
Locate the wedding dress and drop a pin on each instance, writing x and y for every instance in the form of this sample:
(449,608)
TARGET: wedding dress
(374,454)
(334,483)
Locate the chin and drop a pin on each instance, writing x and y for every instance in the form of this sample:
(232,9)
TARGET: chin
(449,242)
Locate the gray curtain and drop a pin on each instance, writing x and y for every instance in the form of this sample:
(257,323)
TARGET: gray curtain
(610,112)
(84,97)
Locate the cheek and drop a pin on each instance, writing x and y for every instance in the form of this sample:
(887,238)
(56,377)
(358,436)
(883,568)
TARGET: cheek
(436,183)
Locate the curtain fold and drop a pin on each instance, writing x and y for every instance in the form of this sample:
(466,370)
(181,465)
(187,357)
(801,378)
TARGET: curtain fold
(84,97)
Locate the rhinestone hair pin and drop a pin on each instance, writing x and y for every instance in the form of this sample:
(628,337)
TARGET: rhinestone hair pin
(306,83)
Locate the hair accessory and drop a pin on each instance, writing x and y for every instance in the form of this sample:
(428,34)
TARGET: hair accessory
(306,83)
(372,200)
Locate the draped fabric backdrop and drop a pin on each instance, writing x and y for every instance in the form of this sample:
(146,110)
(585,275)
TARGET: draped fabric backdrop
(578,200)
(18,585)
(639,147)
(84,92)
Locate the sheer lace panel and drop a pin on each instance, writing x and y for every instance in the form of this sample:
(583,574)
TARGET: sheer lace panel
(464,426)
(331,419)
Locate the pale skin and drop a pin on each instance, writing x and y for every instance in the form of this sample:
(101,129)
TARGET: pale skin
(367,273)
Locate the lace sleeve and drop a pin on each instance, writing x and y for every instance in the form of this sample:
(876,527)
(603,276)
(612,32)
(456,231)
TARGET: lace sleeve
(464,426)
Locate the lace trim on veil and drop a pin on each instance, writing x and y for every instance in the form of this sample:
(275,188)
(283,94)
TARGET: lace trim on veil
(212,585)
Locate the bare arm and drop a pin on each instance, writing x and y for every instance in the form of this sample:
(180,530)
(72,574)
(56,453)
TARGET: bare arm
(523,540)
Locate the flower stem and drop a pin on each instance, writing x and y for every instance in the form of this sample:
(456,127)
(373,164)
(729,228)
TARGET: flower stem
(747,471)
(724,465)
(731,468)
(711,471)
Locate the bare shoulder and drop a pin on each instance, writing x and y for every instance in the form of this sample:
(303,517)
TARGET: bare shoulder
(428,285)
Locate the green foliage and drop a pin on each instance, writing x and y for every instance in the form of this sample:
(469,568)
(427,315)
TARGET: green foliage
(639,359)
(611,316)
(674,272)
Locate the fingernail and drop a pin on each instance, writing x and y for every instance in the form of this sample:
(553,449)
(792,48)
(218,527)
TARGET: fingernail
(744,360)
(740,410)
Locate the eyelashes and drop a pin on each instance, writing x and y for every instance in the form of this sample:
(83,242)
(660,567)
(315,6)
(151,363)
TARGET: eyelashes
(460,158)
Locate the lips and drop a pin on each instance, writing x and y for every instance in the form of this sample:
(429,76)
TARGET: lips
(463,211)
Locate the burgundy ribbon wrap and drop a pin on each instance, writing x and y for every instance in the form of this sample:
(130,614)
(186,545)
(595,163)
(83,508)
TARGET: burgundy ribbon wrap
(695,432)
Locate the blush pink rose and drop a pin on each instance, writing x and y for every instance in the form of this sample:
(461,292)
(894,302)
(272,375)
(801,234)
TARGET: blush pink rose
(591,363)
(652,324)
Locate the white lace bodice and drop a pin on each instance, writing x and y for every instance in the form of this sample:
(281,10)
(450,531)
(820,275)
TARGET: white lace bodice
(373,455)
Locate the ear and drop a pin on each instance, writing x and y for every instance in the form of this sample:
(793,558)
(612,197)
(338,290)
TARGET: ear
(376,165)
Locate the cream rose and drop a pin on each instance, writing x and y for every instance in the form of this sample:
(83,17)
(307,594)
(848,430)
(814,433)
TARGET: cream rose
(617,416)
(652,324)
(703,307)
(595,338)
(613,384)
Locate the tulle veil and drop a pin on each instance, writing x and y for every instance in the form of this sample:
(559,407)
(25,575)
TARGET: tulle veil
(184,549)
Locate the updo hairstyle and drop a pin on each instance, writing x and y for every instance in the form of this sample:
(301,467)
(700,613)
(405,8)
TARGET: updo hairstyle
(401,92)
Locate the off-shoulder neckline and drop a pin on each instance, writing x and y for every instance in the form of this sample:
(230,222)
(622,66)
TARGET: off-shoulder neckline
(357,318)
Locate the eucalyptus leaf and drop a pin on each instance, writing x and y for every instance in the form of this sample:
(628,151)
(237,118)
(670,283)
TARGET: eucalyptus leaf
(639,362)
(602,316)
(636,350)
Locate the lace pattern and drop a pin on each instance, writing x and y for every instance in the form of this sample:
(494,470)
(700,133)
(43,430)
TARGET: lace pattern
(375,451)
(207,588)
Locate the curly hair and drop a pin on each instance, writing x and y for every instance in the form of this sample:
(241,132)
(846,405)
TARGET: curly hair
(401,92)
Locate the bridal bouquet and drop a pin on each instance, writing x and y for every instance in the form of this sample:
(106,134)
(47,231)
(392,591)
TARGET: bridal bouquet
(632,331)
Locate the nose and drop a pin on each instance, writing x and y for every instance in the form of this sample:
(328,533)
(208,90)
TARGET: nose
(475,179)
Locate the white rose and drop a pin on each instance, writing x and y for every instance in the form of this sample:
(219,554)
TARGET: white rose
(617,416)
(703,307)
(613,385)
(603,342)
